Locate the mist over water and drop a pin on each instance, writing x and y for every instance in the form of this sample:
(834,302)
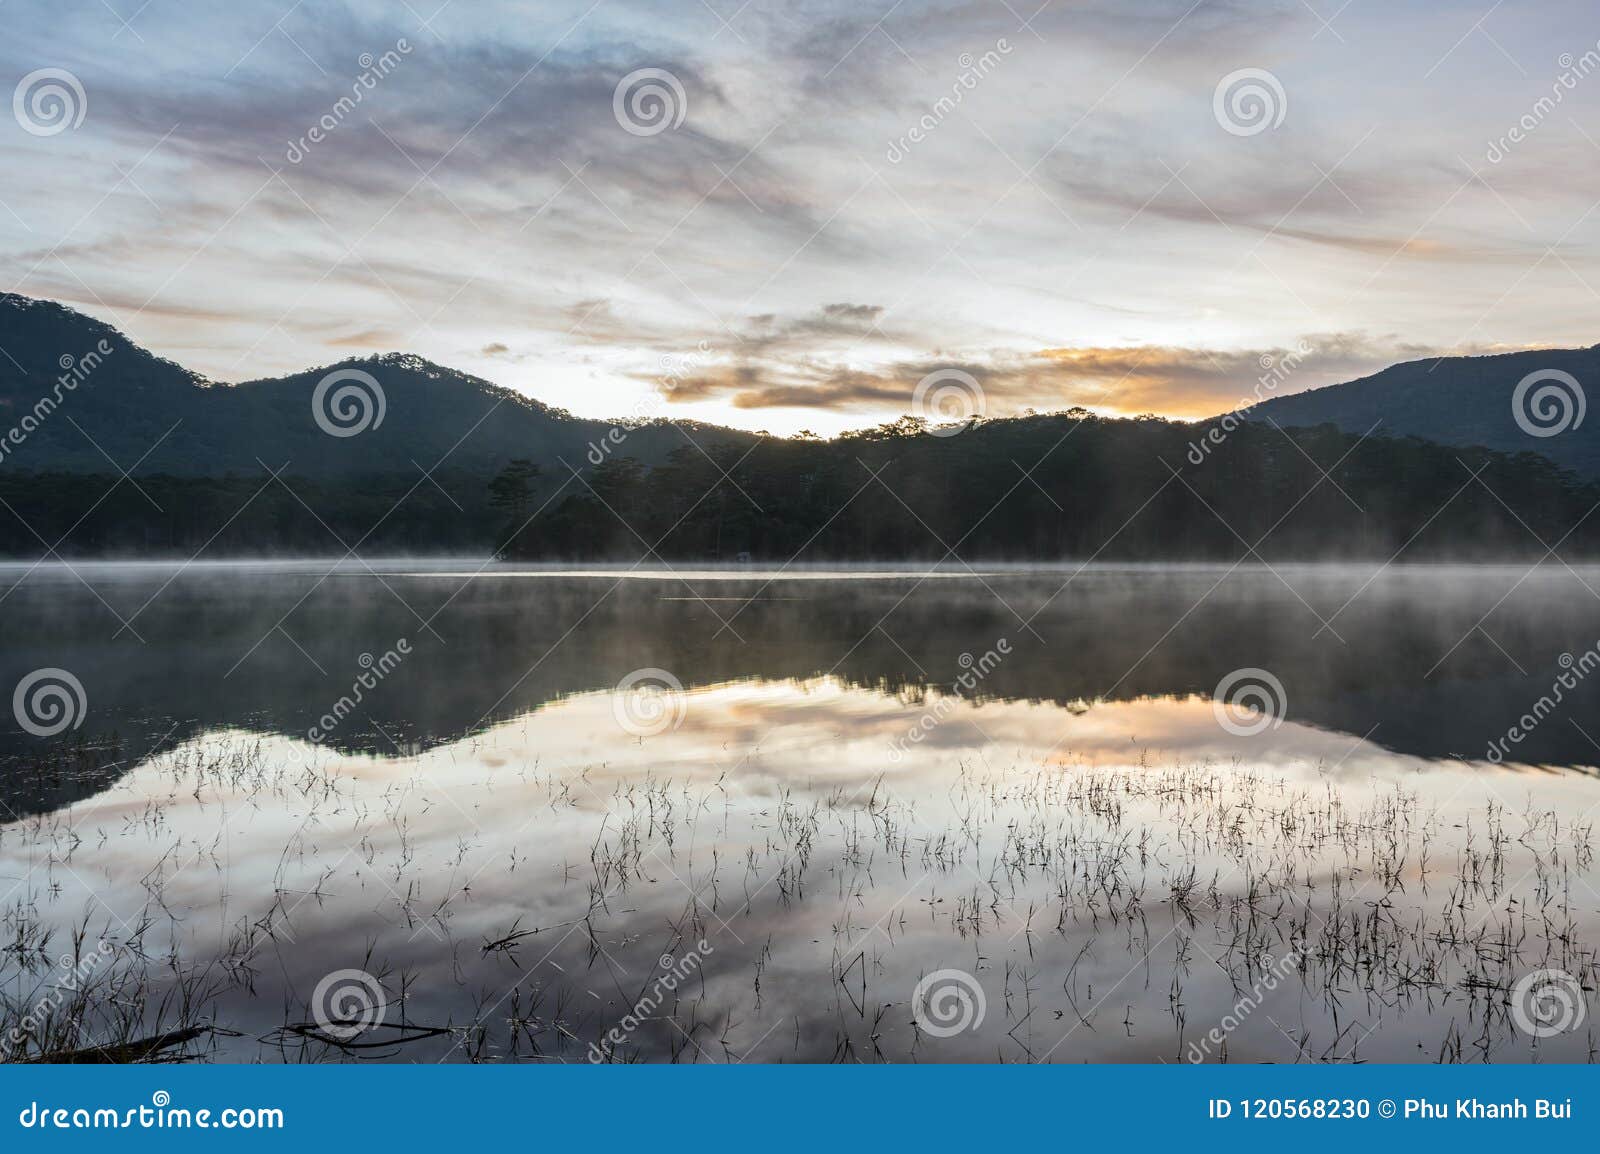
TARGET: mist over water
(811,790)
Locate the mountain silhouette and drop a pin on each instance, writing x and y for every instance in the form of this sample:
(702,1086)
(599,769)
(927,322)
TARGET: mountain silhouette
(333,459)
(109,403)
(132,406)
(1464,401)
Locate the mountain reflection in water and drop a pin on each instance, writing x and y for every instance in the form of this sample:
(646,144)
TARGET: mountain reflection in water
(819,822)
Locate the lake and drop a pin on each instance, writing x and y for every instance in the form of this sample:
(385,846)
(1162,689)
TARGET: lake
(427,811)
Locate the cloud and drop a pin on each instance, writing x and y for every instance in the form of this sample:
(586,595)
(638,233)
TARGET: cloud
(1174,380)
(1078,230)
(836,325)
(384,339)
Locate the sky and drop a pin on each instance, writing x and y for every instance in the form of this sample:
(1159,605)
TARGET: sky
(787,216)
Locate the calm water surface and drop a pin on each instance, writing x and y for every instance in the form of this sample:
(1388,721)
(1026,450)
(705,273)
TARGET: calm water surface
(802,816)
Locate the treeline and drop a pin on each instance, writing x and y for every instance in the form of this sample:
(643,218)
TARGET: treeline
(1064,486)
(1069,486)
(238,516)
